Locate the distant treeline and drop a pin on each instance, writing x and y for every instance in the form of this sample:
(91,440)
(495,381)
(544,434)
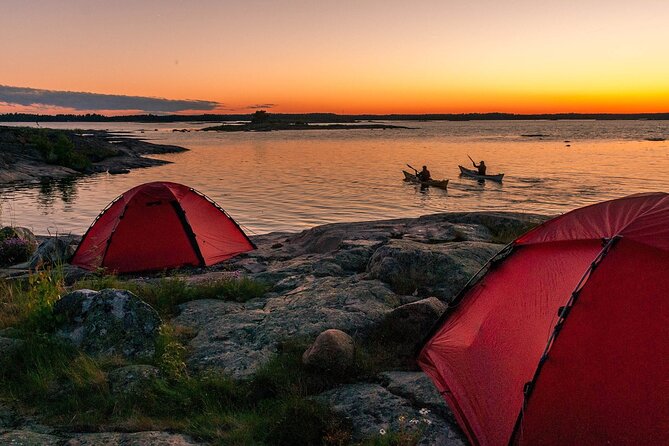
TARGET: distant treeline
(327,117)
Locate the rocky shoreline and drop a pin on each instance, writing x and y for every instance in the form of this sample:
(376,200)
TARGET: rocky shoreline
(34,155)
(374,287)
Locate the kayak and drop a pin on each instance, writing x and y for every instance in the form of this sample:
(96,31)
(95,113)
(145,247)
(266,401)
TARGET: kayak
(474,174)
(442,184)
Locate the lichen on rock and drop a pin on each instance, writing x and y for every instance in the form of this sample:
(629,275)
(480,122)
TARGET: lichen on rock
(109,322)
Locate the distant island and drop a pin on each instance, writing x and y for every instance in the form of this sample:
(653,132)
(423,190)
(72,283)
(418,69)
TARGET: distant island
(261,121)
(330,118)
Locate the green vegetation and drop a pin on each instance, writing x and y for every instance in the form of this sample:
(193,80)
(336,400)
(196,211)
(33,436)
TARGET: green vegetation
(166,293)
(69,389)
(26,306)
(58,148)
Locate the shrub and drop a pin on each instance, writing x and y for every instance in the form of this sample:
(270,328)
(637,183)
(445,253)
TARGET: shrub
(28,306)
(58,148)
(170,354)
(14,250)
(15,246)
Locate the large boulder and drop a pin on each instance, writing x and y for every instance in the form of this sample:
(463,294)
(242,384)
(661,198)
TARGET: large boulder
(439,270)
(16,245)
(405,328)
(108,322)
(333,351)
(53,251)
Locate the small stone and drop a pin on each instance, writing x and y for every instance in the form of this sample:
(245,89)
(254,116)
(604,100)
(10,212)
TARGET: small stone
(333,351)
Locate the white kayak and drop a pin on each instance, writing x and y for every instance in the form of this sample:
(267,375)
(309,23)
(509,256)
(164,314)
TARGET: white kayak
(474,174)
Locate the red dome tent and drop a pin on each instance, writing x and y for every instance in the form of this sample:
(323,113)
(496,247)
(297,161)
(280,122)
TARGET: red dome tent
(565,340)
(160,225)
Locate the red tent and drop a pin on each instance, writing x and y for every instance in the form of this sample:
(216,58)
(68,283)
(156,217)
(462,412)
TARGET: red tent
(565,339)
(160,225)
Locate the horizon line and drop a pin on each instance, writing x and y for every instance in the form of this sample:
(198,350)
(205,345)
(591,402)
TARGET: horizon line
(317,113)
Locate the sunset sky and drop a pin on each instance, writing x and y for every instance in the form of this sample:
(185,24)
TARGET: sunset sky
(431,56)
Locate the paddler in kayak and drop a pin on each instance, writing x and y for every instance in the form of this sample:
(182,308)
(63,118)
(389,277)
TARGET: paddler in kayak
(424,175)
(481,167)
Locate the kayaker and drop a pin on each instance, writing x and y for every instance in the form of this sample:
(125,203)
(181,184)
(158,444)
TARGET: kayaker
(424,175)
(481,167)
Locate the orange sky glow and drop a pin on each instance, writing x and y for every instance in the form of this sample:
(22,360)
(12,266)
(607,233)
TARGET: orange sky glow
(432,56)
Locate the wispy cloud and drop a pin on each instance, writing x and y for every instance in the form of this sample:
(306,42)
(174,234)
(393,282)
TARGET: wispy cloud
(94,101)
(260,106)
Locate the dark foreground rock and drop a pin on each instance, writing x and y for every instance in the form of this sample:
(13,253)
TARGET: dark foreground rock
(131,439)
(9,345)
(109,322)
(428,269)
(404,329)
(31,438)
(373,409)
(53,251)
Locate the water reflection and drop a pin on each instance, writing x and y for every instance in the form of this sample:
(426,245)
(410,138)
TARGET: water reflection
(64,189)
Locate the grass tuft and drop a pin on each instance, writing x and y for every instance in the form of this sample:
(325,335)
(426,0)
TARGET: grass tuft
(167,293)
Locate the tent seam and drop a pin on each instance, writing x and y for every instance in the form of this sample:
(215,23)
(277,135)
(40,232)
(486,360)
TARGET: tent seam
(563,313)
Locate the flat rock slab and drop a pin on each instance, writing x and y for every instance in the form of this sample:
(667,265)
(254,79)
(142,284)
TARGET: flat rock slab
(29,438)
(418,389)
(439,270)
(371,408)
(131,439)
(240,337)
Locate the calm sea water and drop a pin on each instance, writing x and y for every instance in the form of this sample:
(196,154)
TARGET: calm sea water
(293,180)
